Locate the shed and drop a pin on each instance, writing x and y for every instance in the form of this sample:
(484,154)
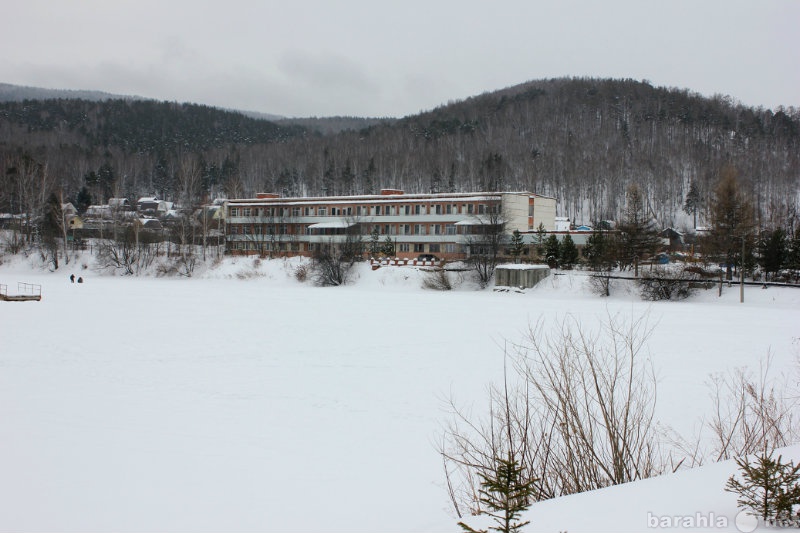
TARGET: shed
(523,276)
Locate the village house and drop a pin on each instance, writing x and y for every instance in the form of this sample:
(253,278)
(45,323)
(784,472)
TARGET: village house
(446,225)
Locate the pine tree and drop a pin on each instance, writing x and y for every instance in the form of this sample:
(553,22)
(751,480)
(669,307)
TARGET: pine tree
(638,232)
(552,251)
(769,488)
(506,494)
(388,247)
(569,252)
(517,247)
(692,202)
(83,200)
(601,255)
(374,242)
(773,251)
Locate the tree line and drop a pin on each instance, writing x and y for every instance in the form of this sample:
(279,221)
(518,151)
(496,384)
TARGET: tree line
(581,140)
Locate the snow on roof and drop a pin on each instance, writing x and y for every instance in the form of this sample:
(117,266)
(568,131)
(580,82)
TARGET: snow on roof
(514,266)
(480,220)
(384,199)
(340,223)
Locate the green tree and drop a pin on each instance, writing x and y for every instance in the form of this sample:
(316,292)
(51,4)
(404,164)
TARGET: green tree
(769,488)
(692,203)
(552,251)
(541,236)
(569,252)
(388,247)
(506,495)
(639,236)
(83,200)
(773,251)
(601,255)
(375,242)
(793,252)
(517,245)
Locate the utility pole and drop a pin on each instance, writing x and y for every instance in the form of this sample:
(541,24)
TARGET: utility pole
(741,276)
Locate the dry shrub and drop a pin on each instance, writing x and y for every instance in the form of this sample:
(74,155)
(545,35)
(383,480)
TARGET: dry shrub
(301,272)
(437,280)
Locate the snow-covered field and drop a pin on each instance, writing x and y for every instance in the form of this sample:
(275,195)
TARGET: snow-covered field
(241,399)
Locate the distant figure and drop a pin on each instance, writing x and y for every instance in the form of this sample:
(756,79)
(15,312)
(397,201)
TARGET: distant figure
(80,280)
(72,278)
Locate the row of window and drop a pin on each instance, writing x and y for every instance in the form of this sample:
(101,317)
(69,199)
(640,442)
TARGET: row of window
(432,248)
(366,210)
(267,246)
(384,229)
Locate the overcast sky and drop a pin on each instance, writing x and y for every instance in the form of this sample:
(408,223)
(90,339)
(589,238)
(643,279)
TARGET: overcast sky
(395,58)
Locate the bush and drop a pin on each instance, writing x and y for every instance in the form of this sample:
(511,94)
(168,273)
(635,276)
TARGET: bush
(437,280)
(664,284)
(301,273)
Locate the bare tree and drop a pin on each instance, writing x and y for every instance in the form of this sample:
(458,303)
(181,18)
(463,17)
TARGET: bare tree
(576,415)
(333,261)
(751,413)
(485,240)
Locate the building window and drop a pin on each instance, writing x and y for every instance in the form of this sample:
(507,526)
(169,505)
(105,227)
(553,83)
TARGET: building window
(407,209)
(451,229)
(419,248)
(438,208)
(419,229)
(450,248)
(322,211)
(417,209)
(246,212)
(481,209)
(295,211)
(437,229)
(404,247)
(234,212)
(470,207)
(405,229)
(434,248)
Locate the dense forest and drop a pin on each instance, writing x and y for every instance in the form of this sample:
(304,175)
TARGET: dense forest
(581,140)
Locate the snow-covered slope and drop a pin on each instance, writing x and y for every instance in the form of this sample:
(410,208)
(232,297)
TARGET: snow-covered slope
(242,399)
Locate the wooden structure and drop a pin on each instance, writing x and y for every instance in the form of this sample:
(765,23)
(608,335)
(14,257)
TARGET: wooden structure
(26,292)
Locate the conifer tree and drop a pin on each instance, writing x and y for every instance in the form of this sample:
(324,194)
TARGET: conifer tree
(388,247)
(517,245)
(506,495)
(731,219)
(773,251)
(569,252)
(692,204)
(601,255)
(639,236)
(769,488)
(552,251)
(374,242)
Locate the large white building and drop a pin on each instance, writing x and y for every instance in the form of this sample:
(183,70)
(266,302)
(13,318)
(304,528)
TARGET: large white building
(444,225)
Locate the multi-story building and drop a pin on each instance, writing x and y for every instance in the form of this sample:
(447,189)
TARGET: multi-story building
(446,225)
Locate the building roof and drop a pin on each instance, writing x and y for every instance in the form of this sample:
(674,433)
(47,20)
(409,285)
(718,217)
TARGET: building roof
(381,199)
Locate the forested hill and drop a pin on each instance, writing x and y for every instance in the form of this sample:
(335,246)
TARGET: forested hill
(581,140)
